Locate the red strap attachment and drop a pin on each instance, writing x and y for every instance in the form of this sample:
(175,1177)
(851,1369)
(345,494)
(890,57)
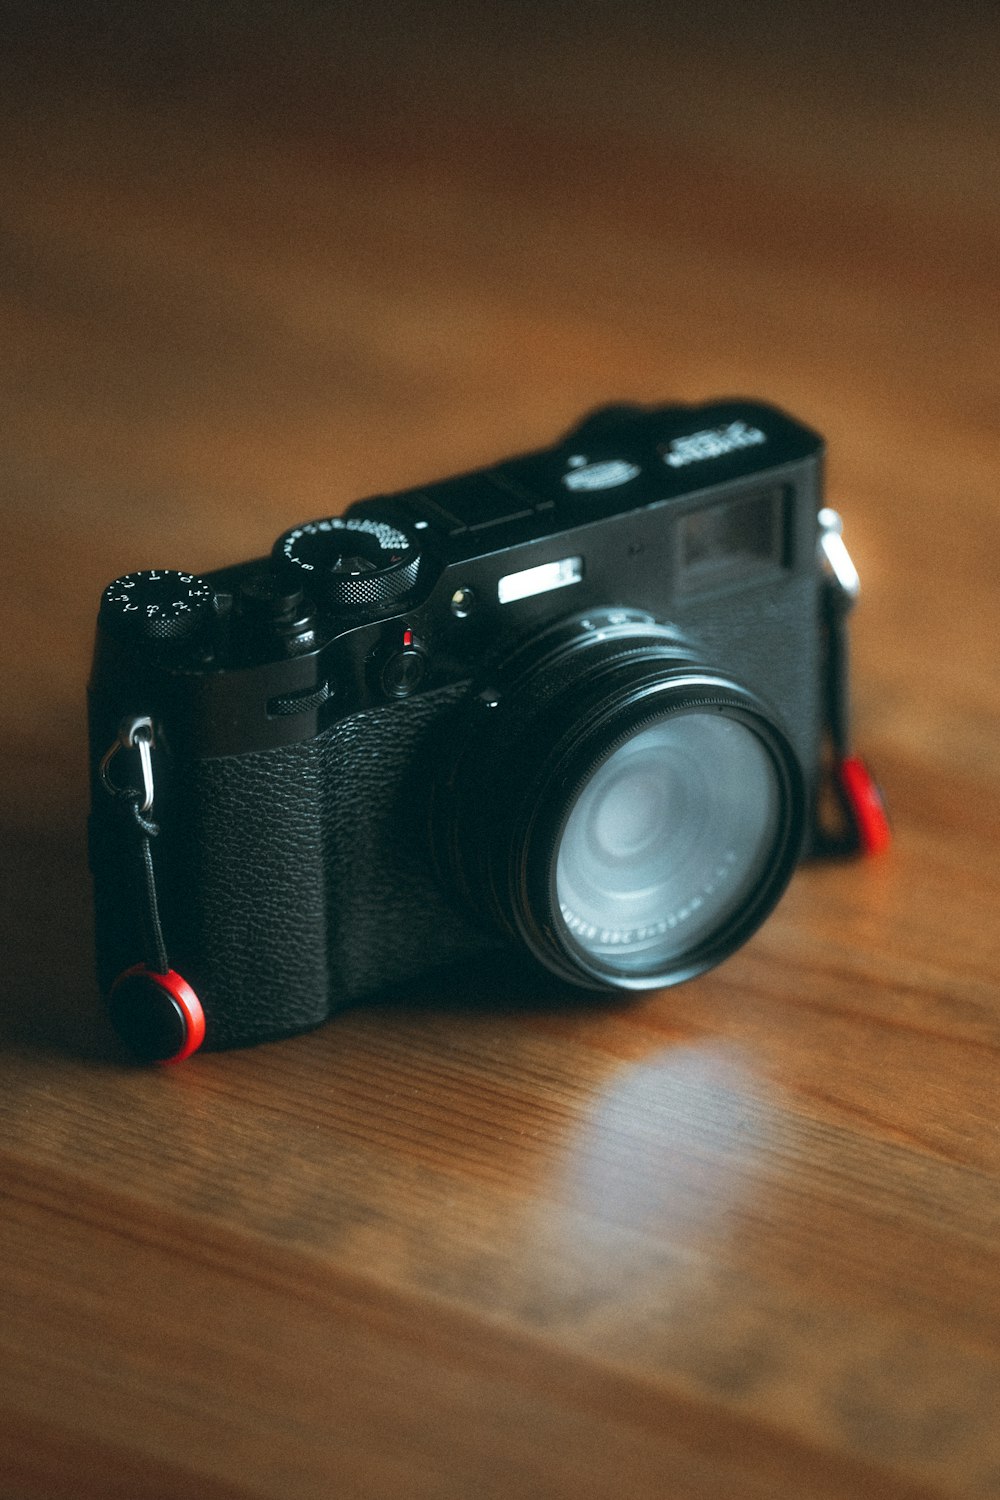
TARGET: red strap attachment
(158,1015)
(865,805)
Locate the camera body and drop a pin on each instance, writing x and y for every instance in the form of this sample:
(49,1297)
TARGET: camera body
(363,751)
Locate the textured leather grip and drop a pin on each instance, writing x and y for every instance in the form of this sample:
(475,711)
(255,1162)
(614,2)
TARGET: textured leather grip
(296,880)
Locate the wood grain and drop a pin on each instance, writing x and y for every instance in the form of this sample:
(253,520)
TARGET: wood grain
(739,1238)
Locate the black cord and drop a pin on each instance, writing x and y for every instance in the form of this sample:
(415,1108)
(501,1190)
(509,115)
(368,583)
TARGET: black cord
(156,948)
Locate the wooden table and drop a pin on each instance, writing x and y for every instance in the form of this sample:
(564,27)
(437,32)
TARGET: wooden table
(738,1239)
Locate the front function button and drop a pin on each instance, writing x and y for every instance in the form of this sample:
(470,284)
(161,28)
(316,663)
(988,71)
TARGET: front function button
(402,667)
(353,563)
(158,604)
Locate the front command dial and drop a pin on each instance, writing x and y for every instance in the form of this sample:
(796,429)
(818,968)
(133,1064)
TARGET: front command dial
(158,604)
(350,563)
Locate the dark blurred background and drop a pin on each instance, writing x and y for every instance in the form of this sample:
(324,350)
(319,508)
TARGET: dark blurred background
(258,260)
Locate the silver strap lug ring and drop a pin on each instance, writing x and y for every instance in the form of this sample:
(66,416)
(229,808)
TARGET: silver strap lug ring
(835,557)
(134,733)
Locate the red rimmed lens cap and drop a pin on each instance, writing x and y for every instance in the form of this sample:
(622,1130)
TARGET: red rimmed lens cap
(158,1016)
(866,806)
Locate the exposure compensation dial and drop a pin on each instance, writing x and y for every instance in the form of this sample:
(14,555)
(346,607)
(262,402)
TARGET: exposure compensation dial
(157,605)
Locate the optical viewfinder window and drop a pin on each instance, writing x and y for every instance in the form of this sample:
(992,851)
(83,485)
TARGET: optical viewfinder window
(739,538)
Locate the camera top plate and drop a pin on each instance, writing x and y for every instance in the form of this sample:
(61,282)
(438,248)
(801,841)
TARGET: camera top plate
(618,459)
(271,664)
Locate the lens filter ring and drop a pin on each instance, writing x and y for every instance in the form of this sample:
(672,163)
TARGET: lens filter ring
(627,815)
(657,839)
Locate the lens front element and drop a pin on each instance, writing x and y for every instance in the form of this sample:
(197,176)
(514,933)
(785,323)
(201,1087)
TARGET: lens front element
(625,813)
(665,841)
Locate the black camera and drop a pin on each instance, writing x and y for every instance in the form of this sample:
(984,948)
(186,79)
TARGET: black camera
(584,703)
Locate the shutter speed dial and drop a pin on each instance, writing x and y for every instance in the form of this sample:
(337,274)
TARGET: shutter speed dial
(158,604)
(353,563)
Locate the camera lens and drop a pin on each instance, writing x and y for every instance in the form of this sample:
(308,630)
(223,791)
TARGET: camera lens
(664,840)
(626,814)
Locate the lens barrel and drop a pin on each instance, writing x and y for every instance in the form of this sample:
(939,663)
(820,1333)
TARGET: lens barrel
(627,814)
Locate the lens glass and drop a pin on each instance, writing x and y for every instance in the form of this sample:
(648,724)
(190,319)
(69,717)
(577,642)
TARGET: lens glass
(666,841)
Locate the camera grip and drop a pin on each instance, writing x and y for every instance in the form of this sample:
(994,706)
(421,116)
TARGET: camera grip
(245,905)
